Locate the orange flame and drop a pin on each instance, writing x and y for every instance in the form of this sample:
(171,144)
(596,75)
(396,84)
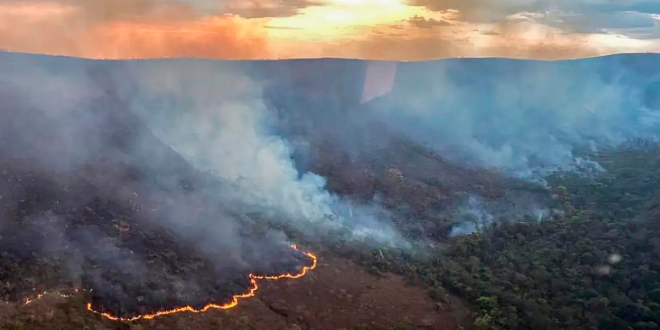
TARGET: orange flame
(41,295)
(233,303)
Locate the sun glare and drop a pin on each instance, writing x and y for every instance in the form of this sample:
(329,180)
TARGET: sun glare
(339,18)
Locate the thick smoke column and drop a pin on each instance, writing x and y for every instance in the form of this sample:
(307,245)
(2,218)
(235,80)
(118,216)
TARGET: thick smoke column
(216,117)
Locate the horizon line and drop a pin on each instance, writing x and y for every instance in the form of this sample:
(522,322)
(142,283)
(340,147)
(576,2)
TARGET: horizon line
(7,51)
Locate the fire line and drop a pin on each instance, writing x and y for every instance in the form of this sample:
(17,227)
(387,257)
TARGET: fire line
(233,303)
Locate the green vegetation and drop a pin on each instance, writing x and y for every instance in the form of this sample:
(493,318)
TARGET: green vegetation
(595,267)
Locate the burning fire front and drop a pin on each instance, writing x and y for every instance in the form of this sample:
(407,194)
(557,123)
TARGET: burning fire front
(231,304)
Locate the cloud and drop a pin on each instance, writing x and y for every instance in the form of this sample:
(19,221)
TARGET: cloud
(515,39)
(591,23)
(642,6)
(581,16)
(478,10)
(282,27)
(529,40)
(395,47)
(266,8)
(126,29)
(628,20)
(424,23)
(231,29)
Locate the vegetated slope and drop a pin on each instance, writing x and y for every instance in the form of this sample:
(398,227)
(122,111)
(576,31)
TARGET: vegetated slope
(595,267)
(598,267)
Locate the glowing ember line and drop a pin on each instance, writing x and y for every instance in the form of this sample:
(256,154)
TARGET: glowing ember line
(233,303)
(41,295)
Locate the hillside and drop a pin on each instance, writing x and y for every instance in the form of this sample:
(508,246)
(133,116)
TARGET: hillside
(167,182)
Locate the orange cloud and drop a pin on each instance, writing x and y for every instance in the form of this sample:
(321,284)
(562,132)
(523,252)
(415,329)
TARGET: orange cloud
(514,40)
(520,40)
(372,29)
(126,29)
(267,8)
(208,38)
(393,48)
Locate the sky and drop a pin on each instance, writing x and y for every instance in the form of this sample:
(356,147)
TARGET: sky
(405,30)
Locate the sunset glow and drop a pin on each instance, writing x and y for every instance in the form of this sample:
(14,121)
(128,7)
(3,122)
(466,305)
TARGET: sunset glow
(378,29)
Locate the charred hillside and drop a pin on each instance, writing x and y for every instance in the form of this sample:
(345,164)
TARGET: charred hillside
(91,200)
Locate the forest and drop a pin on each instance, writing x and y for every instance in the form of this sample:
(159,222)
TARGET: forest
(596,266)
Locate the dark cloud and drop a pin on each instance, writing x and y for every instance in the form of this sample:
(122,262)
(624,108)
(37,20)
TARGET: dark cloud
(421,22)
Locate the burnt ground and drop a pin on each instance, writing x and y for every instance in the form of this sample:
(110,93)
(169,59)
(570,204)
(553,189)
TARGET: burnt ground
(61,231)
(338,294)
(104,206)
(58,230)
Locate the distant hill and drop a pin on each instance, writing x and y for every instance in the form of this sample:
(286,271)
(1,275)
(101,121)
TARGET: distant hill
(433,121)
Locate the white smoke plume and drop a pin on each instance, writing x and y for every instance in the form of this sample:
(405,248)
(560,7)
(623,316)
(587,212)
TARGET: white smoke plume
(215,116)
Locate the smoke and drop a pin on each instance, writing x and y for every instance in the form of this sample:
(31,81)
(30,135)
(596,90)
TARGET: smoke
(223,128)
(474,213)
(215,116)
(528,118)
(125,212)
(151,167)
(198,149)
(471,217)
(211,113)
